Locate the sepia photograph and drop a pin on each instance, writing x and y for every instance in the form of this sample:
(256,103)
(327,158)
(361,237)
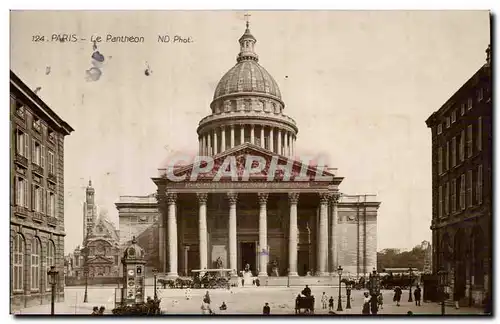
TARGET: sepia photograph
(251,162)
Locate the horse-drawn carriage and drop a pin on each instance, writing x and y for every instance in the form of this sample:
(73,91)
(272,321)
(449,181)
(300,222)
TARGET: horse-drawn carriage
(211,279)
(179,283)
(304,303)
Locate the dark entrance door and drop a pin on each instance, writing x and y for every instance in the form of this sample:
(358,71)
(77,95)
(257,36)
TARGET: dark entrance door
(248,255)
(303,262)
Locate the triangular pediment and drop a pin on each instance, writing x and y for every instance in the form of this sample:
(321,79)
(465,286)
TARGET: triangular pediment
(249,162)
(100,260)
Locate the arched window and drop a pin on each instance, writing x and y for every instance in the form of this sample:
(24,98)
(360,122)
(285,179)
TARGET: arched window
(50,260)
(18,264)
(35,264)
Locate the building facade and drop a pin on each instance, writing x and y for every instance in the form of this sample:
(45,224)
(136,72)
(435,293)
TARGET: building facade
(37,197)
(462,138)
(138,217)
(102,240)
(294,220)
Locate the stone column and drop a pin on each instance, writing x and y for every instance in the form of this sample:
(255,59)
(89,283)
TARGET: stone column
(209,146)
(186,265)
(242,134)
(293,198)
(252,134)
(232,136)
(202,151)
(233,261)
(262,142)
(333,239)
(287,144)
(271,139)
(205,145)
(202,226)
(279,142)
(200,145)
(223,139)
(172,234)
(323,233)
(161,235)
(263,252)
(216,144)
(293,145)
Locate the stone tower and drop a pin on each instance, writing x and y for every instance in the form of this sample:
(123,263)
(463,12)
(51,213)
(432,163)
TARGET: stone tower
(89,210)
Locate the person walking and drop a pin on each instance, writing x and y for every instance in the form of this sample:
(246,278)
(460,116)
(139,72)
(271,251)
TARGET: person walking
(266,310)
(95,311)
(418,295)
(380,300)
(324,300)
(330,304)
(397,295)
(366,304)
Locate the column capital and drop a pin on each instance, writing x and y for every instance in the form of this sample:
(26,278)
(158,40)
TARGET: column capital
(293,197)
(263,198)
(324,197)
(202,197)
(335,197)
(171,198)
(232,126)
(252,125)
(232,197)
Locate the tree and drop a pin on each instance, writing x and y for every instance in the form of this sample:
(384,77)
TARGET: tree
(394,258)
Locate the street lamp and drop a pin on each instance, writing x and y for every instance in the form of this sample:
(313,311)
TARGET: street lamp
(52,274)
(443,282)
(339,304)
(155,272)
(85,252)
(348,293)
(410,299)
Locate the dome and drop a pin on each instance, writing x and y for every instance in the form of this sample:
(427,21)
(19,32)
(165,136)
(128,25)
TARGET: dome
(133,251)
(247,76)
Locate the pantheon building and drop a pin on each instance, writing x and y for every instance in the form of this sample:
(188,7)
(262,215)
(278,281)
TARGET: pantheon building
(298,227)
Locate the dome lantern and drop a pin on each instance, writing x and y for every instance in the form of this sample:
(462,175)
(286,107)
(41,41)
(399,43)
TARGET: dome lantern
(247,43)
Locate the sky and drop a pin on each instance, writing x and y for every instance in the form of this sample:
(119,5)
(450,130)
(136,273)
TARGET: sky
(359,84)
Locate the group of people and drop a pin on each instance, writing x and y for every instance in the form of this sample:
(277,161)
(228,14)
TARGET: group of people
(98,310)
(417,294)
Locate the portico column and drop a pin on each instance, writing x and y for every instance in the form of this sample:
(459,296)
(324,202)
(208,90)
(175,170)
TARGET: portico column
(161,235)
(262,143)
(252,134)
(293,145)
(223,139)
(232,197)
(287,147)
(242,134)
(216,147)
(172,234)
(323,233)
(293,198)
(202,151)
(279,142)
(333,239)
(263,253)
(271,139)
(202,201)
(205,145)
(232,136)
(209,146)
(200,145)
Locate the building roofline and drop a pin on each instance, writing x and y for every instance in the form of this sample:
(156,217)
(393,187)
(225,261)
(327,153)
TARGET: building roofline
(39,104)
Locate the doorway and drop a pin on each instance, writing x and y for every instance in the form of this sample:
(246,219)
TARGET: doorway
(248,255)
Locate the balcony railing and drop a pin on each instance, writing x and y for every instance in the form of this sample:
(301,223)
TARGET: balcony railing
(51,220)
(20,211)
(21,160)
(36,168)
(52,177)
(37,217)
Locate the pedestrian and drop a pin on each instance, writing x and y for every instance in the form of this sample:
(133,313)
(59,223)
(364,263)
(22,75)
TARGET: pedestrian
(101,310)
(366,304)
(95,311)
(330,304)
(380,300)
(374,304)
(188,293)
(306,291)
(223,306)
(459,293)
(205,305)
(409,313)
(418,295)
(397,295)
(324,300)
(266,310)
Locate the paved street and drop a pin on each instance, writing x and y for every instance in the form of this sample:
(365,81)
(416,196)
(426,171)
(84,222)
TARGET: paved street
(239,301)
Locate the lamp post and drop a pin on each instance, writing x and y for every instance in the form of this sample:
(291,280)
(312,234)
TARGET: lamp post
(443,280)
(288,278)
(410,299)
(52,273)
(85,251)
(155,272)
(348,293)
(339,304)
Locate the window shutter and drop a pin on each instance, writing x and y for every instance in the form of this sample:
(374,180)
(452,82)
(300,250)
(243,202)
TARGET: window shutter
(33,193)
(26,146)
(26,194)
(43,156)
(33,153)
